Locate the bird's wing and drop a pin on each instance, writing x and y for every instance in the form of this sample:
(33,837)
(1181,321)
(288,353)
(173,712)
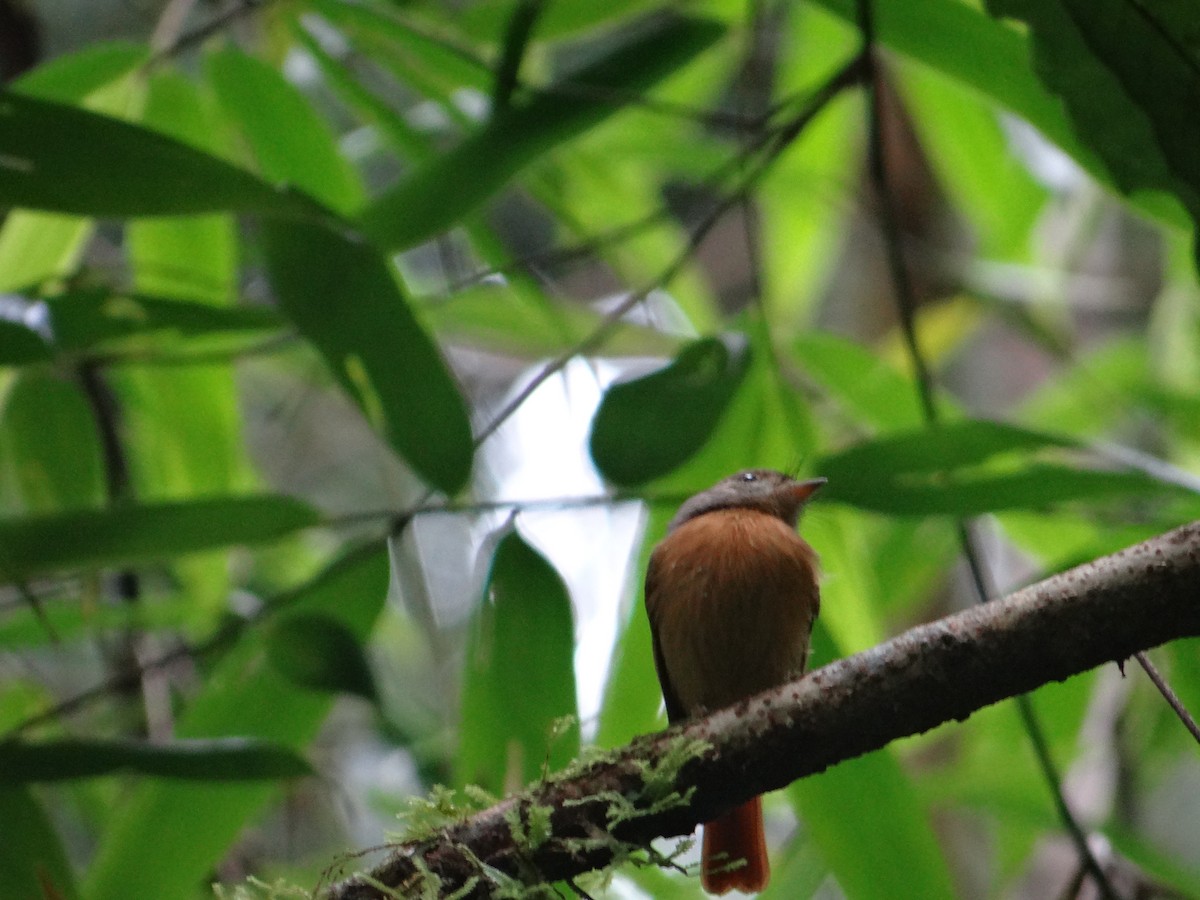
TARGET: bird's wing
(675,710)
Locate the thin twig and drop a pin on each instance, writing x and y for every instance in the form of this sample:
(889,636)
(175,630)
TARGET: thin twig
(774,145)
(905,298)
(1168,694)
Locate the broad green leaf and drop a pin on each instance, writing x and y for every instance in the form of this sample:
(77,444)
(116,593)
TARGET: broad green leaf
(439,194)
(32,857)
(314,651)
(519,681)
(191,826)
(50,454)
(291,143)
(343,296)
(873,788)
(99,537)
(971,467)
(1124,72)
(649,426)
(221,759)
(61,158)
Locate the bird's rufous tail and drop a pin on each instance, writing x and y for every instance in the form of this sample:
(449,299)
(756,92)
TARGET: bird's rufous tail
(729,840)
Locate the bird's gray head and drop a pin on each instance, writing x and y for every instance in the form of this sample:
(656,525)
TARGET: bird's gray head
(764,490)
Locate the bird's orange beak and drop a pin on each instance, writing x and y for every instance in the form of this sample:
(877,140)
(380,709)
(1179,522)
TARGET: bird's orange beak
(802,490)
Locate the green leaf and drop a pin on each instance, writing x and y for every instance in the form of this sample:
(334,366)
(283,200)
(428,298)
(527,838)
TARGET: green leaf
(50,454)
(649,426)
(439,194)
(869,389)
(520,676)
(192,825)
(99,537)
(222,759)
(62,158)
(314,651)
(1124,72)
(32,857)
(72,76)
(877,790)
(343,297)
(20,345)
(970,467)
(97,320)
(292,144)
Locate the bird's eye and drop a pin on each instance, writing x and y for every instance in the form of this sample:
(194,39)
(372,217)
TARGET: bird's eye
(749,476)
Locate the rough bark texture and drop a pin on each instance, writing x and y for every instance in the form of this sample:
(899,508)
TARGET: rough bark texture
(1102,611)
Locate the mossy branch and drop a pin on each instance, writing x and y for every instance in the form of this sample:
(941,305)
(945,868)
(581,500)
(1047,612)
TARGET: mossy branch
(665,784)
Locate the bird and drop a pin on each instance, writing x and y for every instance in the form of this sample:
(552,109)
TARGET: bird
(732,593)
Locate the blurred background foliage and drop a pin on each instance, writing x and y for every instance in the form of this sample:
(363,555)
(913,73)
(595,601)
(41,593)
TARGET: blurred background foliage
(353,355)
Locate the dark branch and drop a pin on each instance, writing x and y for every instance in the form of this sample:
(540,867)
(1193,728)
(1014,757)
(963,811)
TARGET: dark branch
(1105,610)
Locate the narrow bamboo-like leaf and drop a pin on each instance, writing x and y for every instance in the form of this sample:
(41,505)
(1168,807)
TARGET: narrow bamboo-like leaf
(221,759)
(61,158)
(292,144)
(520,676)
(442,192)
(646,427)
(315,651)
(971,467)
(191,825)
(32,857)
(343,297)
(50,454)
(74,75)
(152,531)
(517,34)
(97,319)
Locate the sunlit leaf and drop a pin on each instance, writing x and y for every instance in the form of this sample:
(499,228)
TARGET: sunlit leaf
(227,759)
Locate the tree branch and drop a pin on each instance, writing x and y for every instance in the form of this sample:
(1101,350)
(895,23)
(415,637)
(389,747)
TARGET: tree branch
(665,784)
